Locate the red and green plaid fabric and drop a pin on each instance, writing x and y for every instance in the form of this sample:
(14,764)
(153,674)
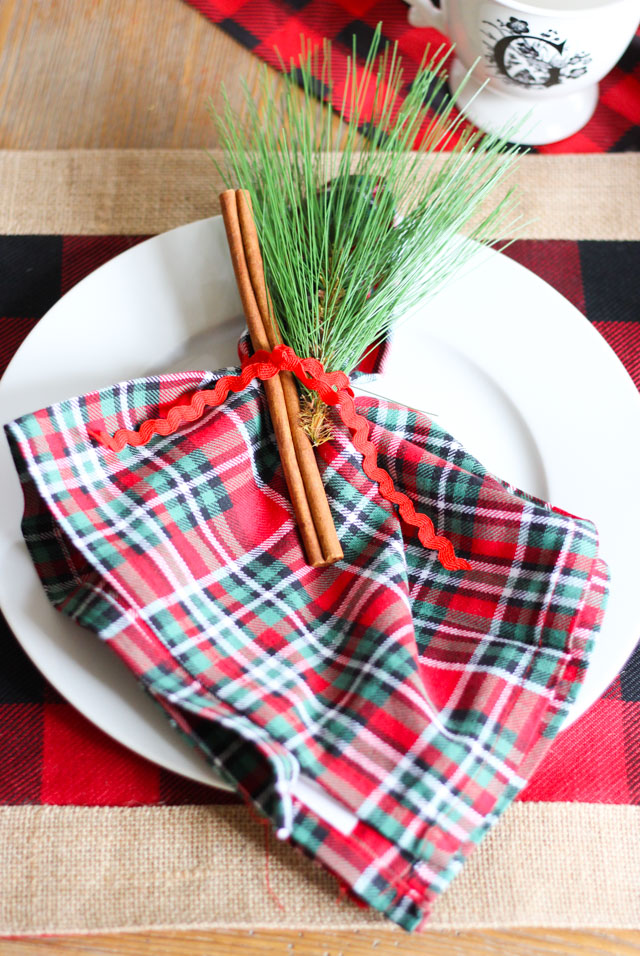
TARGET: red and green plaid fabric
(268,26)
(382,712)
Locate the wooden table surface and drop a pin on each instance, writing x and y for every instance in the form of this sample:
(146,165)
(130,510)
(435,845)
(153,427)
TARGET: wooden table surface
(138,73)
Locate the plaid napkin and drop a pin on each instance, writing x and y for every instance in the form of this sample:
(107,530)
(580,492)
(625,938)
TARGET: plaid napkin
(382,712)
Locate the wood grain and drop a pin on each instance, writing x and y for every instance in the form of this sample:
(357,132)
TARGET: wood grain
(355,943)
(113,73)
(138,73)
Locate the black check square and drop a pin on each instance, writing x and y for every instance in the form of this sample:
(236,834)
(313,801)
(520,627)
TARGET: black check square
(30,268)
(630,677)
(20,682)
(610,280)
(361,34)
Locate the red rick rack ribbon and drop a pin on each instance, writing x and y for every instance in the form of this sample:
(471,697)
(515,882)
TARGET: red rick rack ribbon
(334,389)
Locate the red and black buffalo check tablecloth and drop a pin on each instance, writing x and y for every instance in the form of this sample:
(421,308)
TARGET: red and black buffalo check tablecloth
(50,755)
(272,29)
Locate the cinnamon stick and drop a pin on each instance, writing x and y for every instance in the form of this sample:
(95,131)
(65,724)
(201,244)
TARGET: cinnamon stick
(316,495)
(273,387)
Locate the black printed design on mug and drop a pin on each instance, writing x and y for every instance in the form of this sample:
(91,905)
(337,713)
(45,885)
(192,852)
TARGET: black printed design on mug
(532,61)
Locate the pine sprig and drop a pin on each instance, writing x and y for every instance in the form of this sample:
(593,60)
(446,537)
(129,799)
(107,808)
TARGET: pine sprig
(356,231)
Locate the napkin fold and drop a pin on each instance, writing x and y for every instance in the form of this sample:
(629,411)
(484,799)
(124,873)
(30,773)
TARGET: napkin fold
(382,712)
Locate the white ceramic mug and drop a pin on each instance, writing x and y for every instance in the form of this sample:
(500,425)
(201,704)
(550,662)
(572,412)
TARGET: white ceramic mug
(541,59)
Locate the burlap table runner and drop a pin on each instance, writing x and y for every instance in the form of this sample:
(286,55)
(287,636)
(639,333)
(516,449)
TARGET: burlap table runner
(96,869)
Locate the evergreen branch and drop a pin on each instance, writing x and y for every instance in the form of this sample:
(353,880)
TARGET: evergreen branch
(354,231)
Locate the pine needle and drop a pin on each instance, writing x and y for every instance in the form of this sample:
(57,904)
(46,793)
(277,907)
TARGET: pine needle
(355,232)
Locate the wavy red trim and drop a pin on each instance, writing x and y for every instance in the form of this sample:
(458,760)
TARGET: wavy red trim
(333,388)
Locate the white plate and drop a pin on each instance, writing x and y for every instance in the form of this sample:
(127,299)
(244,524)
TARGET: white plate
(504,361)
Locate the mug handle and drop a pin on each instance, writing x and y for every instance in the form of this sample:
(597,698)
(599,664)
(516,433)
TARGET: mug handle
(424,13)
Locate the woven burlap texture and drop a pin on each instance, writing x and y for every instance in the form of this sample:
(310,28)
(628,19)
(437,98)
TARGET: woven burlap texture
(92,869)
(135,191)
